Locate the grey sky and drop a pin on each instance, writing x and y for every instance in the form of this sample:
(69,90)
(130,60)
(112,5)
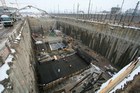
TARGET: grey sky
(67,5)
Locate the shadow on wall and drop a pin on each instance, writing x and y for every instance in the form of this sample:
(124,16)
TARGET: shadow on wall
(119,45)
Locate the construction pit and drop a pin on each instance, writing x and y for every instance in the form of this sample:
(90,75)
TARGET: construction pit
(62,55)
(60,63)
(64,64)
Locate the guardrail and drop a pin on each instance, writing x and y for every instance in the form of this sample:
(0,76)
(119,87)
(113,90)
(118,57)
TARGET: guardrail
(120,19)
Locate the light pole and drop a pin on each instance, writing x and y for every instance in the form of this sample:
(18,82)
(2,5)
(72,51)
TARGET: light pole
(122,5)
(89,8)
(77,10)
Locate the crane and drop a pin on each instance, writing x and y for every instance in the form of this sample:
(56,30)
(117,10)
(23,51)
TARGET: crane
(30,6)
(134,12)
(18,15)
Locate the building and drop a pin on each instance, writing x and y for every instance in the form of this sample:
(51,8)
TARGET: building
(130,12)
(115,10)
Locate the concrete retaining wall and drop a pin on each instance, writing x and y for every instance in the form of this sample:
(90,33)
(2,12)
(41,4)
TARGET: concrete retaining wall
(118,44)
(22,77)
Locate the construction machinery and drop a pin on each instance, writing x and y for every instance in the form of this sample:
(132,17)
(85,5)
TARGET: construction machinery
(30,6)
(6,20)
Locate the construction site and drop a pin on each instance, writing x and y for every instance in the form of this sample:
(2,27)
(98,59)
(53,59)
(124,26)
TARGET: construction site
(70,53)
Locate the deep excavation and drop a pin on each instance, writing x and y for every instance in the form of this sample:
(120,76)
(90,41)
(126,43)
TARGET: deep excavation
(105,45)
(75,46)
(62,55)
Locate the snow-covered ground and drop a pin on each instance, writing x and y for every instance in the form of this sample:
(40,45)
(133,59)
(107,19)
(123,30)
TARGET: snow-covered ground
(9,58)
(130,77)
(5,67)
(3,70)
(13,50)
(38,42)
(1,88)
(106,83)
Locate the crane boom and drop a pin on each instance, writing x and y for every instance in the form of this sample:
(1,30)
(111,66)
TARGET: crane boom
(30,6)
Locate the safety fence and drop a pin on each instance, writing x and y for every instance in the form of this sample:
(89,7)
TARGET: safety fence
(119,19)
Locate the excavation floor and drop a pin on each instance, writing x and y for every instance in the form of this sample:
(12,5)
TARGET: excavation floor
(52,70)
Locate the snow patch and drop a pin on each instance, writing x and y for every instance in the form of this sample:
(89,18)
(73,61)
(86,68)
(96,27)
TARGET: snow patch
(13,50)
(16,41)
(97,68)
(139,58)
(3,70)
(18,37)
(38,42)
(9,58)
(129,78)
(132,27)
(1,88)
(106,83)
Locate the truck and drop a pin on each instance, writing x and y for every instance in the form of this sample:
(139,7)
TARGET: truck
(6,20)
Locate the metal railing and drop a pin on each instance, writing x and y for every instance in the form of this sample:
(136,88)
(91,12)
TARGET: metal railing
(119,19)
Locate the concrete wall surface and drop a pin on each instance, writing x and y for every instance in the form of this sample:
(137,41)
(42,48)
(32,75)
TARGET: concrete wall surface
(22,73)
(119,45)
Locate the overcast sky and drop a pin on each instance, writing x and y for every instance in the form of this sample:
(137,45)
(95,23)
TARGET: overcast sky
(70,5)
